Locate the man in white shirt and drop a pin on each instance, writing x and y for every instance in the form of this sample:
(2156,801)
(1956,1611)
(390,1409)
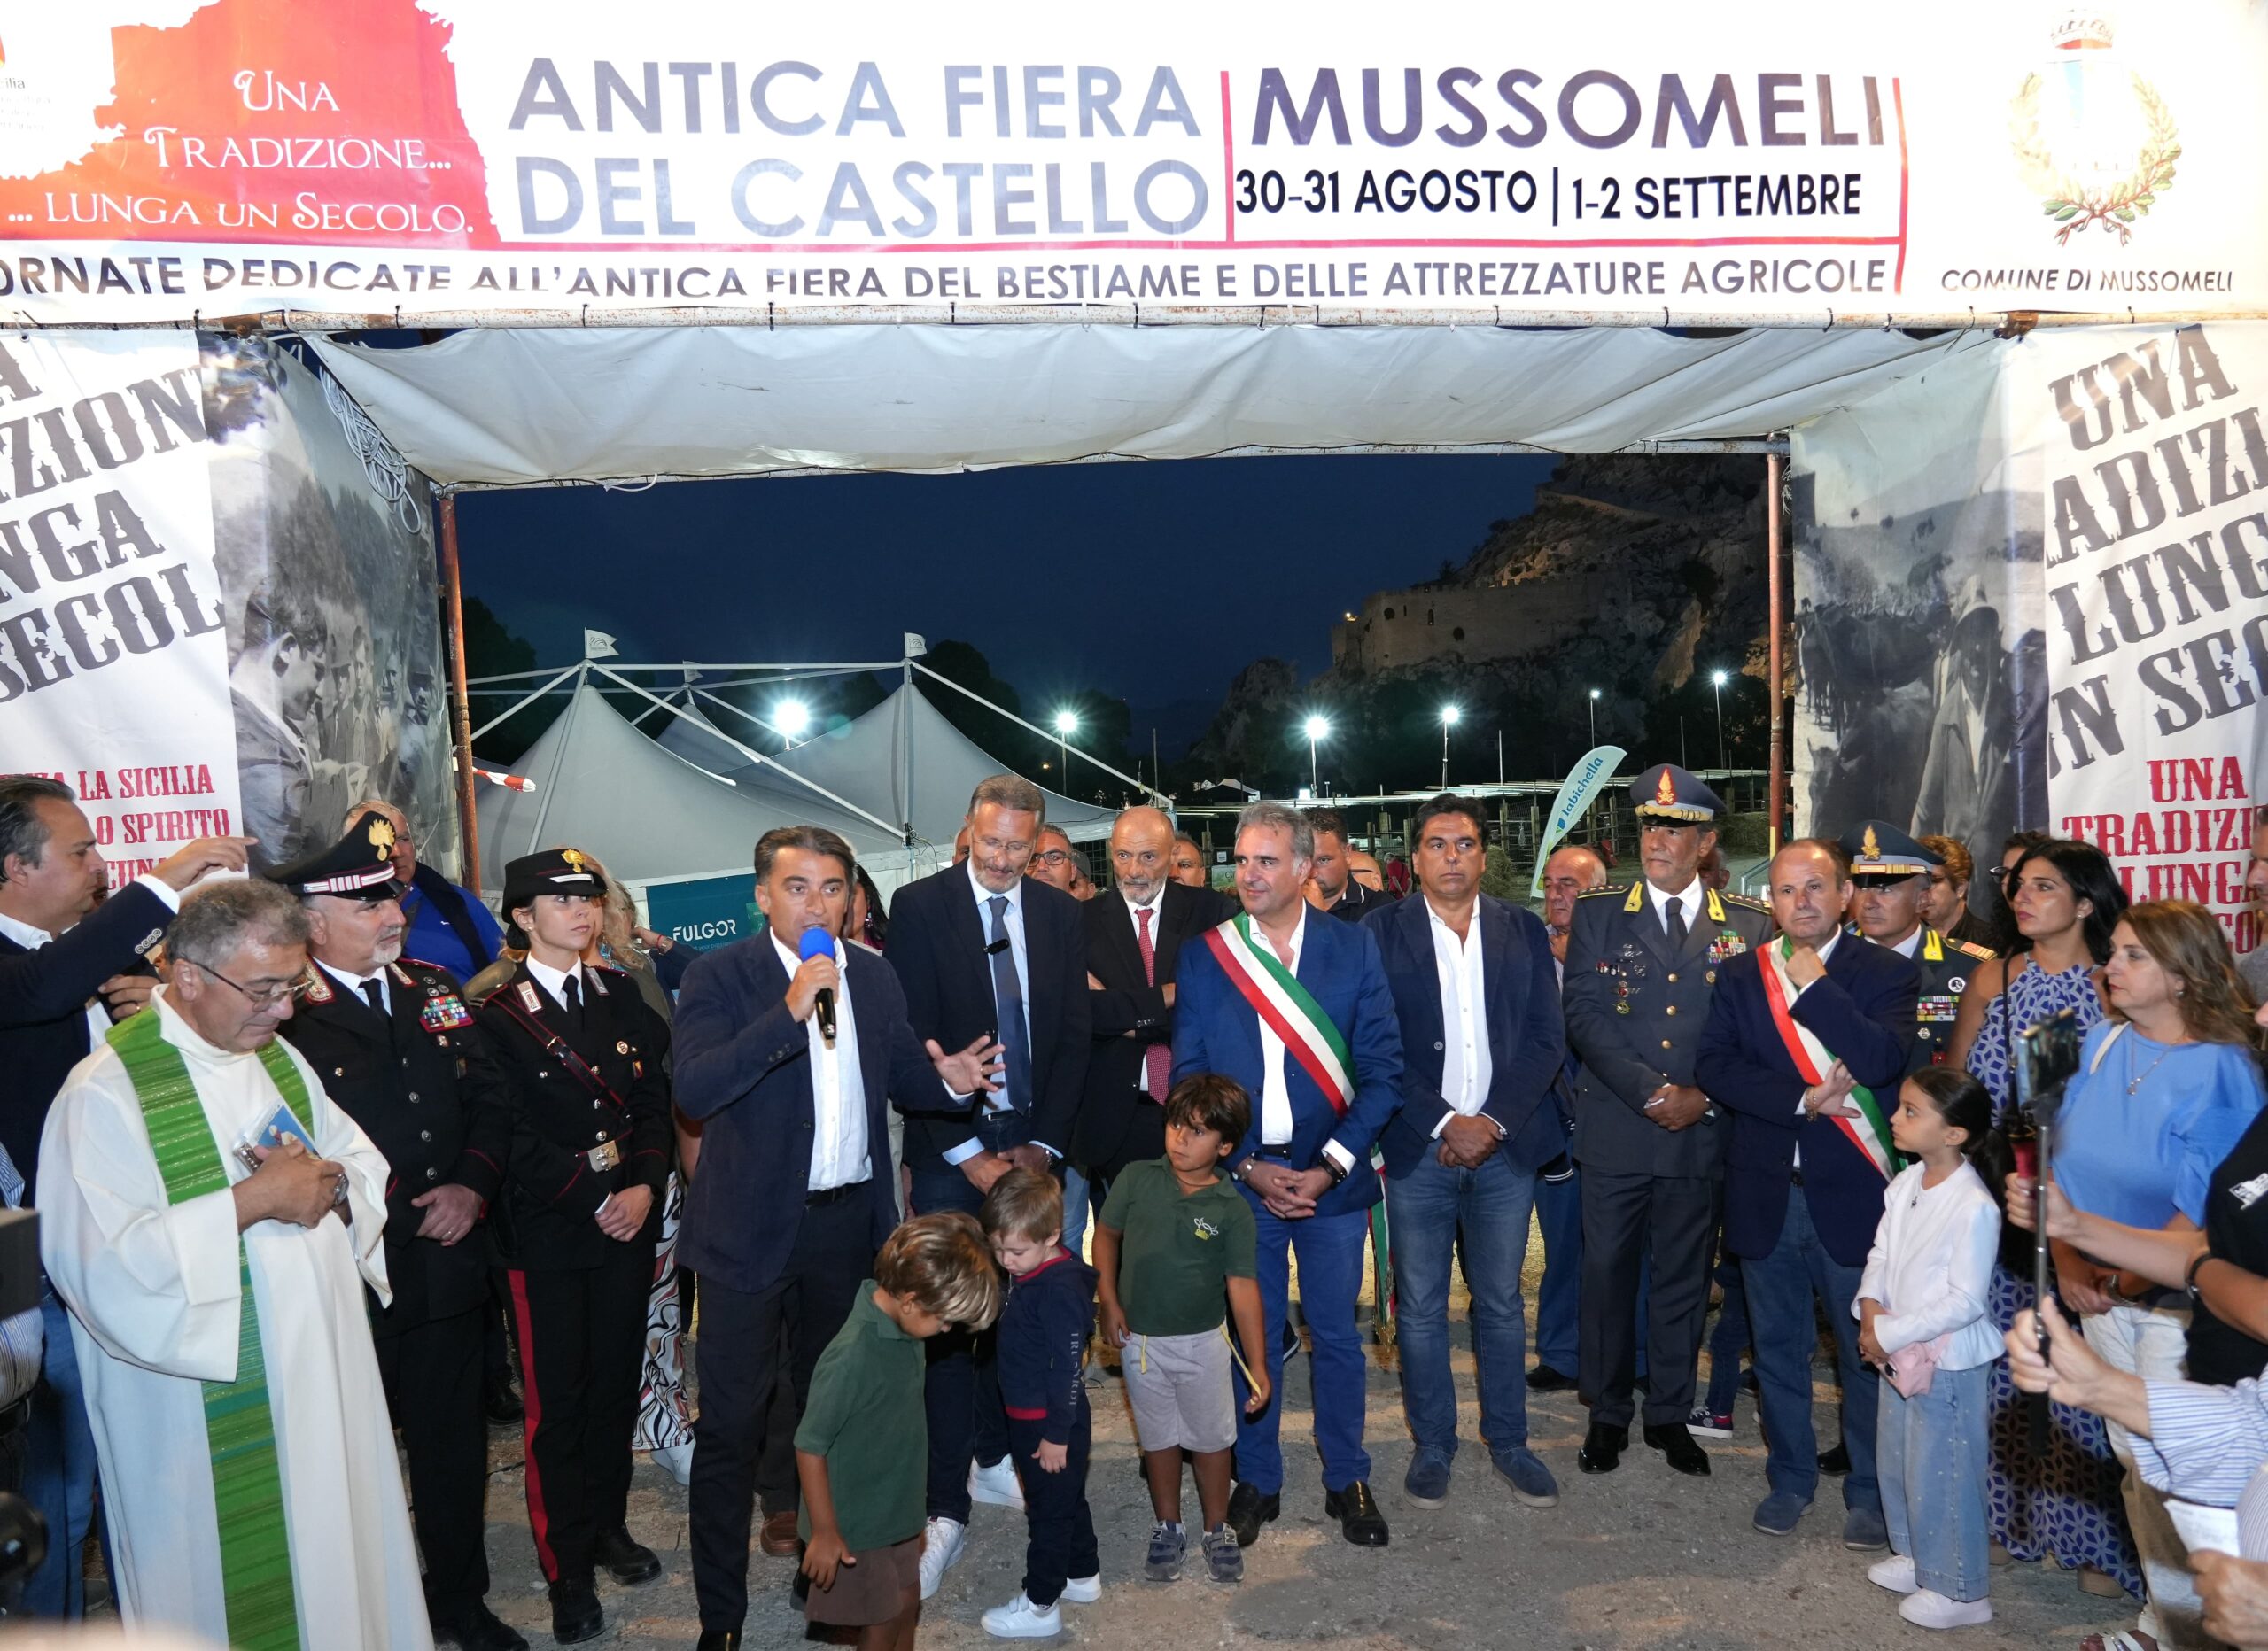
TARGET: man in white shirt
(1478,999)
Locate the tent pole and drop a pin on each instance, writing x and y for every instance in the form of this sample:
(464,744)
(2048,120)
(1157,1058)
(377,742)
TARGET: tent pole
(468,815)
(1777,600)
(1045,734)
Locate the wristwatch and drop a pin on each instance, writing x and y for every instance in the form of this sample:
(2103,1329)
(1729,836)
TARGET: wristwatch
(1333,1168)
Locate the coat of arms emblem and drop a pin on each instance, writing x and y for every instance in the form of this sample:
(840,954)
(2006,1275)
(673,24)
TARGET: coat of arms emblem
(2092,136)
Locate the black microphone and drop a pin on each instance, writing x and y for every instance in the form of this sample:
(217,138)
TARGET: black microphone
(817,942)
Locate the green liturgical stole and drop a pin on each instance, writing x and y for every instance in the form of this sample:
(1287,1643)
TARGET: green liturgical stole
(239,1427)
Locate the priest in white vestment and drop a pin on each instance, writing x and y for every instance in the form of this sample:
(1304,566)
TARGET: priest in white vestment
(153,1285)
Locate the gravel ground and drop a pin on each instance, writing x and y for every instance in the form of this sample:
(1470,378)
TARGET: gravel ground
(1640,1557)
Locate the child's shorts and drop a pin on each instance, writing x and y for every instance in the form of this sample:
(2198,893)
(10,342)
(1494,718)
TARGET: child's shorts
(1179,1389)
(879,1588)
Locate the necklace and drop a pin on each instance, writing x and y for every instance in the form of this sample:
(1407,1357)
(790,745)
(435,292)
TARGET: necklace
(2134,1085)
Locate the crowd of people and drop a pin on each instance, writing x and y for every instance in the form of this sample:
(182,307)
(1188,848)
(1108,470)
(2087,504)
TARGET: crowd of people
(328,1156)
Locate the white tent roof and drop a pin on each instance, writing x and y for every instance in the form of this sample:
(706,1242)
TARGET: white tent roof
(603,787)
(901,761)
(514,407)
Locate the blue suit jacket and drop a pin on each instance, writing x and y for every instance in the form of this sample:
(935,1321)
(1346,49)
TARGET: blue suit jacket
(1526,1037)
(743,1070)
(1864,1012)
(1215,1030)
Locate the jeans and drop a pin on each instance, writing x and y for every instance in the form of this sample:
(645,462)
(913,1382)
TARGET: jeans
(1060,1543)
(1559,1220)
(1074,1210)
(1728,1341)
(2151,1343)
(59,1471)
(1934,1457)
(1780,1287)
(1331,1278)
(1434,1210)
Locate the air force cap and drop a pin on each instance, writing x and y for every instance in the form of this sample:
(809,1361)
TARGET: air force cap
(1878,849)
(358,866)
(1667,792)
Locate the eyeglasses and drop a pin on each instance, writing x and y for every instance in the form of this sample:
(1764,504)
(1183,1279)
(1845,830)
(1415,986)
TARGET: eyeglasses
(265,997)
(1052,856)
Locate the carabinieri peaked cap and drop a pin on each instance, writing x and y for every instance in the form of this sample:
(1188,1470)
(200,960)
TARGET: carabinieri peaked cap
(1878,849)
(554,872)
(1667,792)
(358,866)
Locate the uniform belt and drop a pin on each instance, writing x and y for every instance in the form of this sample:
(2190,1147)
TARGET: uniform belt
(832,1195)
(605,1155)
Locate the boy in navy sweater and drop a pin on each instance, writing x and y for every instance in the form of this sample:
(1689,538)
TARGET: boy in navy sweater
(1042,1345)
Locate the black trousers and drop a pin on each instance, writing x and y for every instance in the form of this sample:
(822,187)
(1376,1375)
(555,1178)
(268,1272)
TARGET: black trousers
(432,1374)
(582,1336)
(778,1489)
(960,1389)
(1672,1223)
(1062,1544)
(742,1336)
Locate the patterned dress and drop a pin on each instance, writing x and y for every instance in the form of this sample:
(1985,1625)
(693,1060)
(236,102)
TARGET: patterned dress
(2064,1503)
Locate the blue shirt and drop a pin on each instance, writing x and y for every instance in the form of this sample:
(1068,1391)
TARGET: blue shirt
(2137,1159)
(431,940)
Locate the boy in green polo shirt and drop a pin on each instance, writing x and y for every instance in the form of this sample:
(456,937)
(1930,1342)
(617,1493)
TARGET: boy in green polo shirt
(1173,1238)
(862,1451)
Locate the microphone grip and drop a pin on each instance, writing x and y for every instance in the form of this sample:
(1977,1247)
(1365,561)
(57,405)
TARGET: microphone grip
(825,1009)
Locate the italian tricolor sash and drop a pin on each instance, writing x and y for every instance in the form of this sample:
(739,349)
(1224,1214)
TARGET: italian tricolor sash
(1870,1132)
(239,1426)
(1285,1008)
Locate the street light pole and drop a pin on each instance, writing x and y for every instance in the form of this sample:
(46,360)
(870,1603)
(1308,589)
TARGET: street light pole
(1449,715)
(1067,723)
(1317,727)
(1593,709)
(1717,686)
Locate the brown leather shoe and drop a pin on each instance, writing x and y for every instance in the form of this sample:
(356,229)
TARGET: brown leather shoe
(779,1537)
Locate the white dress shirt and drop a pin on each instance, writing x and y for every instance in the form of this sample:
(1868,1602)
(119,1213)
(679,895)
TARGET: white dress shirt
(32,939)
(355,982)
(1466,1065)
(1688,897)
(1156,907)
(554,982)
(1013,921)
(1910,945)
(1276,1121)
(839,1155)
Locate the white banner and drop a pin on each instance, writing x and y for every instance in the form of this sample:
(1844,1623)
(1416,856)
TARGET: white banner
(113,667)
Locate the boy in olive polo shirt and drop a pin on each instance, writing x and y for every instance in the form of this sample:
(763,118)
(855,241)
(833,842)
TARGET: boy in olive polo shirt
(1173,1238)
(862,1451)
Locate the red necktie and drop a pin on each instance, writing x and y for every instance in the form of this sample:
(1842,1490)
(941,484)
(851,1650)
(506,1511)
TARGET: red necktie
(1157,1060)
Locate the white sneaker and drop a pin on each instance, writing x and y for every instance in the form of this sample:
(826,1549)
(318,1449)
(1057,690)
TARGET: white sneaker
(676,1460)
(1083,1590)
(1020,1619)
(941,1546)
(1931,1609)
(1895,1573)
(997,1485)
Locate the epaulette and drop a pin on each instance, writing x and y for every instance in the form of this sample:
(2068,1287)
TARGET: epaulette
(419,963)
(1969,948)
(1605,892)
(1748,901)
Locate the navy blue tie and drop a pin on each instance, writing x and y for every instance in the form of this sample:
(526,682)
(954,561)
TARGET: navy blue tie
(1008,999)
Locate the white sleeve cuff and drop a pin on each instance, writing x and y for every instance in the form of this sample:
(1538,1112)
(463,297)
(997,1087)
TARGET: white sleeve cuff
(958,1155)
(163,889)
(1338,1155)
(1443,1124)
(1050,1151)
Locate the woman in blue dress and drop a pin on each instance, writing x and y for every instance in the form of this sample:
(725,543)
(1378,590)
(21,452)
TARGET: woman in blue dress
(2065,1502)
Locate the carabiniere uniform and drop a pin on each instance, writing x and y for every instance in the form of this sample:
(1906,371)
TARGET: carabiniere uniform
(590,1110)
(1877,848)
(415,1074)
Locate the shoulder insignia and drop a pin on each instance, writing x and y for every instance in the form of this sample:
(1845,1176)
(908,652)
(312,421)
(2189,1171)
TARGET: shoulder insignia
(1604,890)
(531,998)
(1933,944)
(1637,899)
(1748,903)
(1716,907)
(1971,949)
(597,973)
(402,977)
(315,989)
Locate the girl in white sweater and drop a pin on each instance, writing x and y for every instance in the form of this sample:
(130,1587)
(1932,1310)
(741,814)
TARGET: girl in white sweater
(1922,1320)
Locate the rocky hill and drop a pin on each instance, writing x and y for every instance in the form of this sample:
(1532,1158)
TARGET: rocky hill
(1637,575)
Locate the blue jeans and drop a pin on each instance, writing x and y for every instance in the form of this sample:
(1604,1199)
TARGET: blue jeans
(1934,1456)
(59,1471)
(1559,1219)
(1780,1287)
(1727,1341)
(1331,1278)
(1432,1211)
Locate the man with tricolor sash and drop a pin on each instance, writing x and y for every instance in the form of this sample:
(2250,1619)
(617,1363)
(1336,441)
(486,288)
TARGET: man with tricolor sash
(211,1219)
(1299,1013)
(1806,1044)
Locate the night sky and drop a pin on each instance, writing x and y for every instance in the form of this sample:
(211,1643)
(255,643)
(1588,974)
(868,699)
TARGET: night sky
(1155,582)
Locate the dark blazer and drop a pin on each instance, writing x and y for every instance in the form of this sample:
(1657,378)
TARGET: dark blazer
(936,946)
(543,1220)
(1863,1011)
(1215,1030)
(1526,1037)
(743,1071)
(43,993)
(1634,1014)
(429,1094)
(1128,1004)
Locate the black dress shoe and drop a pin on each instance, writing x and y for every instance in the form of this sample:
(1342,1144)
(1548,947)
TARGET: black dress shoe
(500,1401)
(1544,1379)
(1248,1510)
(1677,1445)
(1835,1463)
(629,1563)
(575,1613)
(719,1639)
(1602,1448)
(477,1629)
(1356,1510)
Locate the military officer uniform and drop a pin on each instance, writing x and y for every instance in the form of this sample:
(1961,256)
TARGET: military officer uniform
(1641,970)
(1879,849)
(581,1055)
(398,1050)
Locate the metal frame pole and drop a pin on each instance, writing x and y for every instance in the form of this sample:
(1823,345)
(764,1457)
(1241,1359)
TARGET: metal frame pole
(468,813)
(1777,600)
